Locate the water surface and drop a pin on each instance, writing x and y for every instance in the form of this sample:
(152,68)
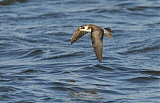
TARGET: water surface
(38,63)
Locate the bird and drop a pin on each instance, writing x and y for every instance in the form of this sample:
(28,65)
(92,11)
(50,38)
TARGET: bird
(96,37)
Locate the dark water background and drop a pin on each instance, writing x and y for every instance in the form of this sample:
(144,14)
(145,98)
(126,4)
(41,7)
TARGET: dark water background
(38,63)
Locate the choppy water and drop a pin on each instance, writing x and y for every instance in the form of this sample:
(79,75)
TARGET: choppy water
(38,63)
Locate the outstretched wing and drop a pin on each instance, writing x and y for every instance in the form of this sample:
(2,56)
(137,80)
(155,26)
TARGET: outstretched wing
(77,34)
(108,32)
(97,43)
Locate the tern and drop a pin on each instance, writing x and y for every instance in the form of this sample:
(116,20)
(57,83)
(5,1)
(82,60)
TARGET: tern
(96,37)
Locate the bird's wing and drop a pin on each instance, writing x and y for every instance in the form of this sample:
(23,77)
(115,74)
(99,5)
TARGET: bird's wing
(108,32)
(97,43)
(77,34)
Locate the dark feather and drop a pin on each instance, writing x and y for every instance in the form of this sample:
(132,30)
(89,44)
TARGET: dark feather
(108,32)
(97,43)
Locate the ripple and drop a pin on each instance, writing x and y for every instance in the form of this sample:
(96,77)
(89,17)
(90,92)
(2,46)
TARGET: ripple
(85,95)
(142,49)
(144,79)
(135,8)
(30,71)
(9,2)
(63,55)
(82,2)
(150,72)
(103,67)
(7,89)
(61,88)
(124,4)
(32,53)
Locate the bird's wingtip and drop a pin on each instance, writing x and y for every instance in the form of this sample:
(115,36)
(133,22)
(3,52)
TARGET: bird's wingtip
(100,61)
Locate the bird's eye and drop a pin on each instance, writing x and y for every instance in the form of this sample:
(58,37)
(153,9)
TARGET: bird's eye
(82,27)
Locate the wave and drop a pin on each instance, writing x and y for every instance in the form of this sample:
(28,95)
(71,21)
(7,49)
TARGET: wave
(9,2)
(143,79)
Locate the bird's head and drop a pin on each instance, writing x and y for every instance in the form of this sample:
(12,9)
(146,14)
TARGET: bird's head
(85,28)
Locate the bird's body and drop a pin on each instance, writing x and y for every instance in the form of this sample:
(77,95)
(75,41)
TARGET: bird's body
(96,37)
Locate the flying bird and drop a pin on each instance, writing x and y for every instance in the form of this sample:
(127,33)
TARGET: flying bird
(96,37)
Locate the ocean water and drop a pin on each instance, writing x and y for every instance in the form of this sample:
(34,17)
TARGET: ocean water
(39,65)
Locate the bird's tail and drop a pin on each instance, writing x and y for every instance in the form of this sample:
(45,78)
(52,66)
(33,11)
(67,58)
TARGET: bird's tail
(108,32)
(108,29)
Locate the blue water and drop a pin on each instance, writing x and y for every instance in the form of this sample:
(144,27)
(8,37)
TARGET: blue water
(39,65)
